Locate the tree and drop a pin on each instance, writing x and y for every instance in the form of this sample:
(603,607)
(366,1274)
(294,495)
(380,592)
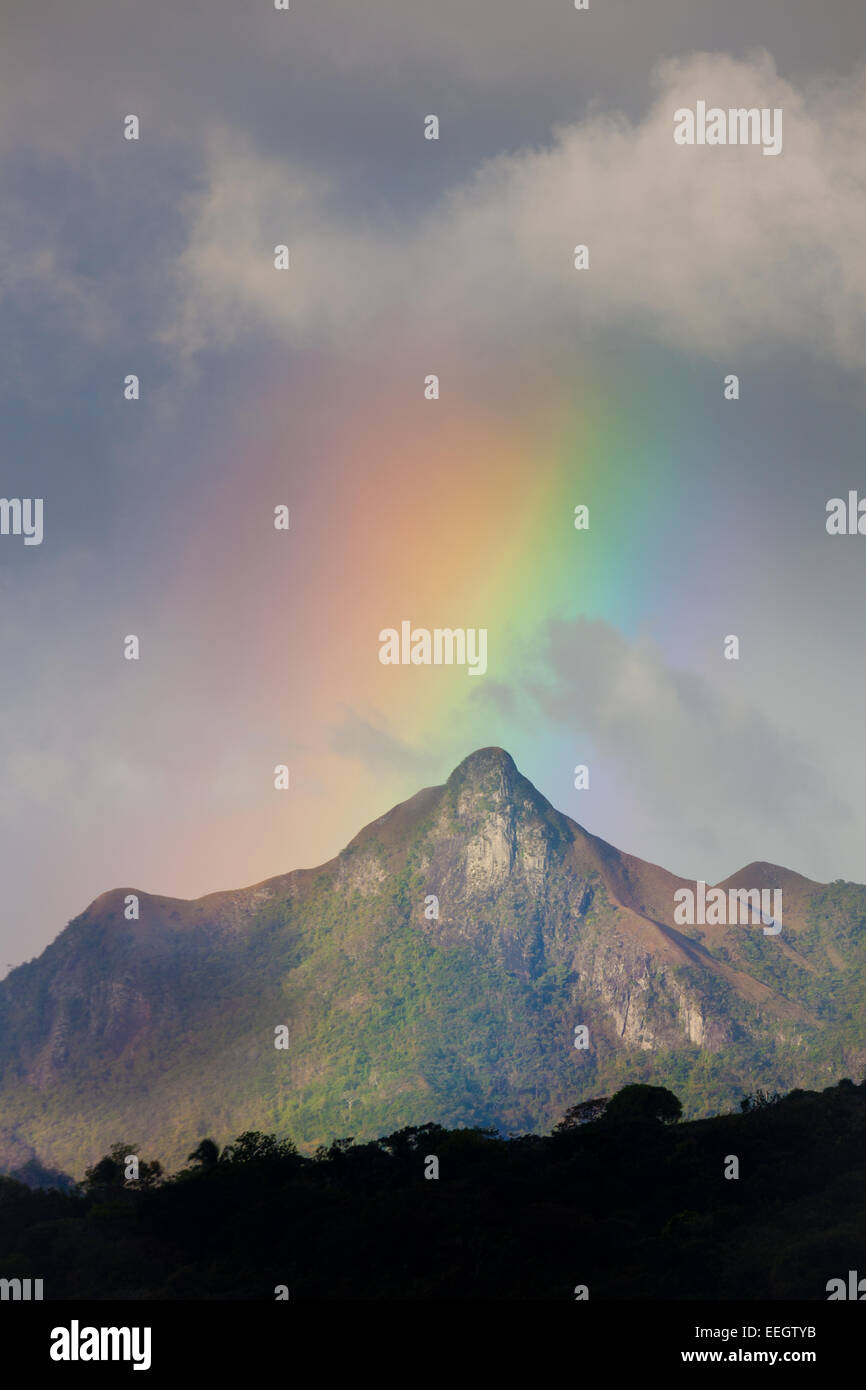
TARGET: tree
(759,1100)
(584,1113)
(335,1151)
(110,1172)
(647,1104)
(206,1156)
(149,1174)
(254,1147)
(406,1143)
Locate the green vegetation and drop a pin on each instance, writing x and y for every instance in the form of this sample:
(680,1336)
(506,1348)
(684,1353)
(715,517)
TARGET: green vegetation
(389,1025)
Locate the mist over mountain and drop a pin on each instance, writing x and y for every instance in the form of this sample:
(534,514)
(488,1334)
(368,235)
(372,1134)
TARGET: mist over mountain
(162,1030)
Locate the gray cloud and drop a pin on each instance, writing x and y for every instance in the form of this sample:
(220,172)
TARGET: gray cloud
(708,251)
(716,776)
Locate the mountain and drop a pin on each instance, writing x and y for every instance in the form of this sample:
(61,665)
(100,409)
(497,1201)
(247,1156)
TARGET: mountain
(159,1031)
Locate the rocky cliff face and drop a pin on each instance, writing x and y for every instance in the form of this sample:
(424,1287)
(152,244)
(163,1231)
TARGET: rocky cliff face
(162,1030)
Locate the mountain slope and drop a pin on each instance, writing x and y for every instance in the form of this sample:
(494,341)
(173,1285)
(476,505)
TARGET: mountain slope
(159,1031)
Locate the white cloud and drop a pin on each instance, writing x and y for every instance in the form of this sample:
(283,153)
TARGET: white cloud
(714,251)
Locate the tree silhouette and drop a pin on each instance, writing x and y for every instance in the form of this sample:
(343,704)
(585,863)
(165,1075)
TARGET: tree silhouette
(206,1155)
(584,1113)
(759,1100)
(639,1103)
(254,1147)
(109,1174)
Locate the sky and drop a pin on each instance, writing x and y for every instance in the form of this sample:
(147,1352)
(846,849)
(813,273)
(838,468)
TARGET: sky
(558,387)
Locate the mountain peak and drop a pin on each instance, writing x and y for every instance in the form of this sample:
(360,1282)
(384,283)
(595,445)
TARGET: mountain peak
(760,874)
(482,762)
(488,779)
